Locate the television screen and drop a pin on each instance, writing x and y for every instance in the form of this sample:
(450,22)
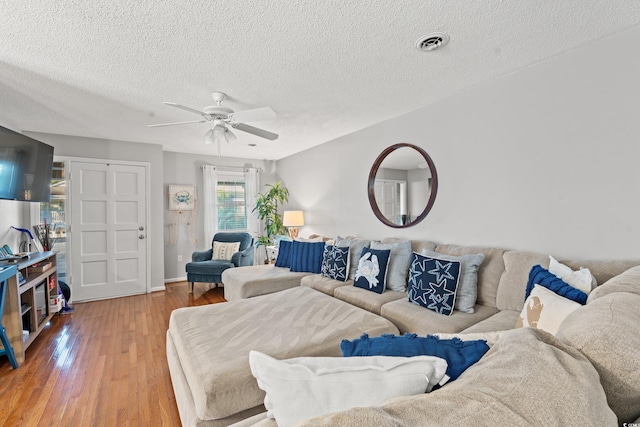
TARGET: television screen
(25,167)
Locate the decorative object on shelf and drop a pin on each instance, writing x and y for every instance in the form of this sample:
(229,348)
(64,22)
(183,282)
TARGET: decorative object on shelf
(43,233)
(266,209)
(293,220)
(182,210)
(403,184)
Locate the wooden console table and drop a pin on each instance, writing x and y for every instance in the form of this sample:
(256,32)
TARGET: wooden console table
(27,309)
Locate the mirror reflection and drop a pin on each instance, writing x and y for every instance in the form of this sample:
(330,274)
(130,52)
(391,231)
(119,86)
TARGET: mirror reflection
(402,185)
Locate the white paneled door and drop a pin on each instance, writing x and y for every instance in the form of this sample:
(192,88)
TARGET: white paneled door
(108,230)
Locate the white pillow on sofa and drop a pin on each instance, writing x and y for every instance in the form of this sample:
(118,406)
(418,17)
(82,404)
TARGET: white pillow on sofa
(545,310)
(307,387)
(580,279)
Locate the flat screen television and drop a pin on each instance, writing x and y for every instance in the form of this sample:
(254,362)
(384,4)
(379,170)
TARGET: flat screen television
(25,167)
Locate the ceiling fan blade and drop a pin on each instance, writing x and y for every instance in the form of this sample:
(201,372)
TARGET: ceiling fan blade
(182,107)
(257,115)
(176,123)
(255,131)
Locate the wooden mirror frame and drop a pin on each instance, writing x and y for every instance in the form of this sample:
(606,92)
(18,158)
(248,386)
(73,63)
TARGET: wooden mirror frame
(372,179)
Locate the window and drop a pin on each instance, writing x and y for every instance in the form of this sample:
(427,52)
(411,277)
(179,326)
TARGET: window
(231,202)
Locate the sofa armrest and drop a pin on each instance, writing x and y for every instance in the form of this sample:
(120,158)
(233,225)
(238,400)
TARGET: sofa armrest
(202,255)
(243,258)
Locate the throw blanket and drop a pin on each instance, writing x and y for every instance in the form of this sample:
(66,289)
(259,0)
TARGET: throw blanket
(458,354)
(512,385)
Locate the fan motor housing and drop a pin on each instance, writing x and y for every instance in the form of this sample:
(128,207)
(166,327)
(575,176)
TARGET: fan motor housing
(217,112)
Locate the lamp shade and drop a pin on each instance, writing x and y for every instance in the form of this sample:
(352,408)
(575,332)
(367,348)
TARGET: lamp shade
(293,219)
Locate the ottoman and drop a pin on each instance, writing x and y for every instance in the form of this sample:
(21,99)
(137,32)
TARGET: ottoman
(208,347)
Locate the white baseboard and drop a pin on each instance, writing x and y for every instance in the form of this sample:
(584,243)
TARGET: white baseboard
(177,279)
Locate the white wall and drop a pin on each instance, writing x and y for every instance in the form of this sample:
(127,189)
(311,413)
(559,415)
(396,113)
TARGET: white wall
(545,159)
(186,169)
(13,213)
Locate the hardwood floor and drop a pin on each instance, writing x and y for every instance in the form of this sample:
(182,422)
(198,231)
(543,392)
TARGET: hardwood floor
(103,365)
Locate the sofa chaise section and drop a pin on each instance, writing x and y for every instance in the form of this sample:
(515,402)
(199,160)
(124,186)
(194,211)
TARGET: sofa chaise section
(246,282)
(208,346)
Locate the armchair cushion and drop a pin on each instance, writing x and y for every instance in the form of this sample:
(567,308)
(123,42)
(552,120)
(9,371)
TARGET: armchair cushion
(210,267)
(225,251)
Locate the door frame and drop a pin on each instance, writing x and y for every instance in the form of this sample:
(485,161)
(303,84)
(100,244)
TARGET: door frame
(147,203)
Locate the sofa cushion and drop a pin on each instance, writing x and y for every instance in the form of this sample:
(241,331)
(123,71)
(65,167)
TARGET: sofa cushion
(305,387)
(398,263)
(413,318)
(489,273)
(546,279)
(323,284)
(545,310)
(284,254)
(335,262)
(606,332)
(501,321)
(306,256)
(581,278)
(372,270)
(513,282)
(355,250)
(458,354)
(602,270)
(467,292)
(628,281)
(213,341)
(513,384)
(247,282)
(370,301)
(433,283)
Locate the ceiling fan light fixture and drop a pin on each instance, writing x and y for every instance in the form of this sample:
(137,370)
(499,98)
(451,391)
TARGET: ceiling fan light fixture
(209,137)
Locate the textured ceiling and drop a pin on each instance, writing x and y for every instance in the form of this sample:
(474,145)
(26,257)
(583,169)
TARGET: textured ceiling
(101,69)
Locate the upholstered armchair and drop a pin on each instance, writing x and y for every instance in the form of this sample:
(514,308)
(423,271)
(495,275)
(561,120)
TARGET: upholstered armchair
(203,268)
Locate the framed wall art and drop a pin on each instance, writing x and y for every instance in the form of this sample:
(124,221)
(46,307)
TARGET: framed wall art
(182,197)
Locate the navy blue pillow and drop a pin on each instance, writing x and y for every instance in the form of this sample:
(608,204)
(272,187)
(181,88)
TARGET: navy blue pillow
(284,254)
(335,262)
(543,277)
(372,269)
(306,256)
(433,283)
(458,354)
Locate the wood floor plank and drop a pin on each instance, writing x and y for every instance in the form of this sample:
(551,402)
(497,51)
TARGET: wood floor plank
(103,365)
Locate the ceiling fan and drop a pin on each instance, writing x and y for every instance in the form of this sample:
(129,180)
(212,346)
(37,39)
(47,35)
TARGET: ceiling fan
(222,118)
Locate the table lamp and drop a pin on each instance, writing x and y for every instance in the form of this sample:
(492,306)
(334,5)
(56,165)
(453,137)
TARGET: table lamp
(293,220)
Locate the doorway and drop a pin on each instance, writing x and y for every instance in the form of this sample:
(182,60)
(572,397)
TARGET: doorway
(107,233)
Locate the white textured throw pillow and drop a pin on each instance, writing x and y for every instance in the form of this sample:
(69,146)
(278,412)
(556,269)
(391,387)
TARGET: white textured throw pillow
(224,251)
(580,279)
(306,387)
(545,310)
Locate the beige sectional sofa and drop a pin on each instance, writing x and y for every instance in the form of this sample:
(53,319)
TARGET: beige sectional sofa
(286,315)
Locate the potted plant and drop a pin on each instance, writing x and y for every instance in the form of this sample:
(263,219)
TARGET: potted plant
(266,208)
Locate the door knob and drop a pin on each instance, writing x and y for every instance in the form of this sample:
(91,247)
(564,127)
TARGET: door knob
(141,228)
(141,236)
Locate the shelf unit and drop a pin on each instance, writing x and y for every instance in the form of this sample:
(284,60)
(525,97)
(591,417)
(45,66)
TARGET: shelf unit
(27,309)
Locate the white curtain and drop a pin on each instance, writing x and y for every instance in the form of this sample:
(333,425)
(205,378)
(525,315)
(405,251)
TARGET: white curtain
(251,182)
(210,177)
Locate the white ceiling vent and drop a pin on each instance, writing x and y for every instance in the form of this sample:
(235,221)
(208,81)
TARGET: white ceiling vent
(432,41)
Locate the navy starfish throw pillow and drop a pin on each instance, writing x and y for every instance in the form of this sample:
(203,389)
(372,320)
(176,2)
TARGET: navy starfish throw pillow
(433,283)
(335,262)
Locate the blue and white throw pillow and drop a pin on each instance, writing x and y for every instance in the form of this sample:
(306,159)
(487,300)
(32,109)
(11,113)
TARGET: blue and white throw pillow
(335,262)
(372,269)
(433,283)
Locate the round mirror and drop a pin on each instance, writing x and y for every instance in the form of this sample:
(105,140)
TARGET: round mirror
(402,185)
